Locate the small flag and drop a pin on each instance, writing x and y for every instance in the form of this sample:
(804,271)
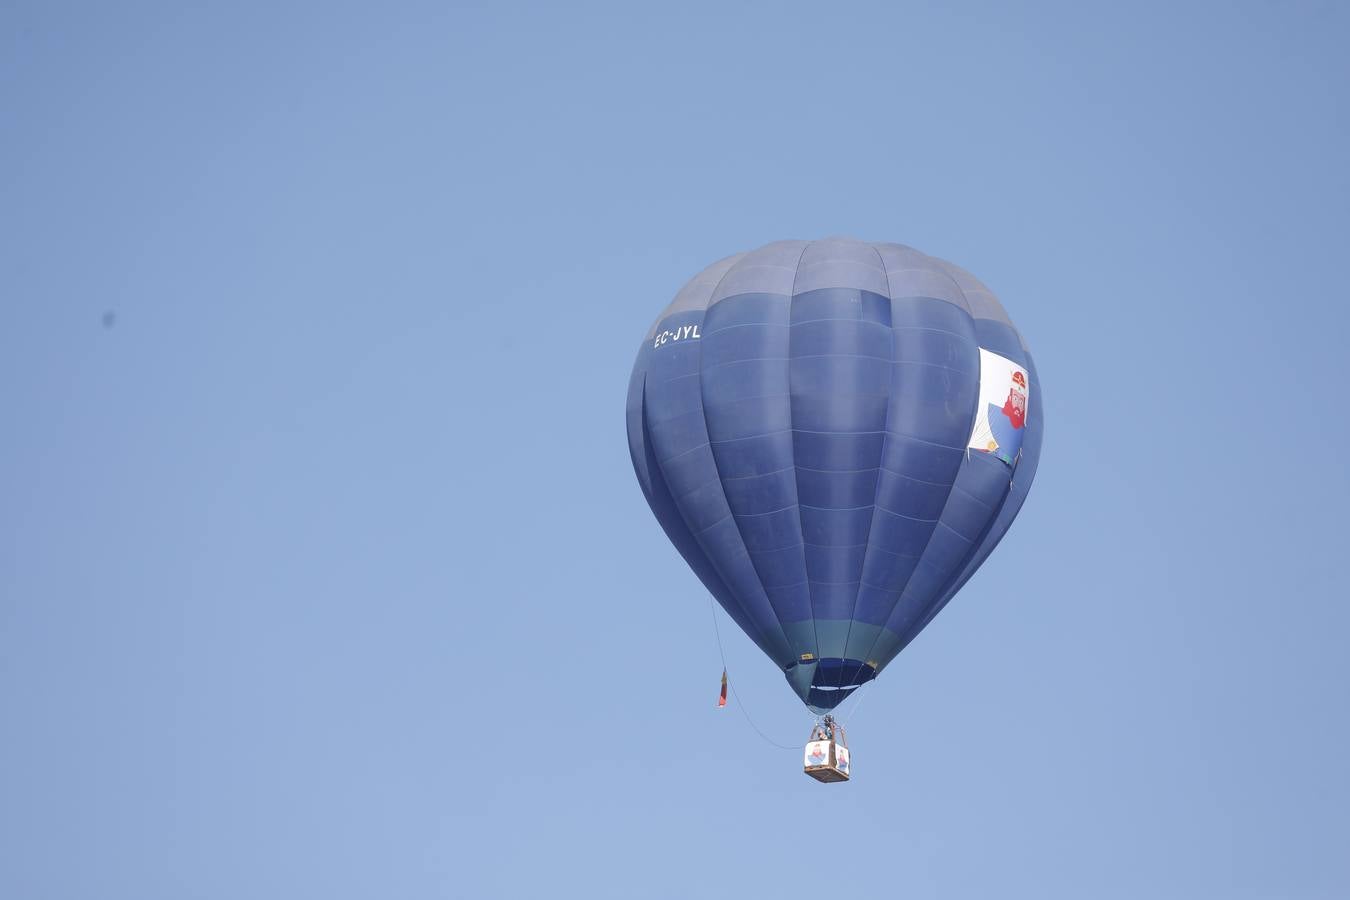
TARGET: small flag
(722,700)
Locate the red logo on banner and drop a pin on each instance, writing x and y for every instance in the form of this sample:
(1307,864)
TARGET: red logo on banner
(1015,407)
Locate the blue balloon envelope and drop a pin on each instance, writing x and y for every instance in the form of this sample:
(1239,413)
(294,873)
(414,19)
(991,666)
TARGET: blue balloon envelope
(835,435)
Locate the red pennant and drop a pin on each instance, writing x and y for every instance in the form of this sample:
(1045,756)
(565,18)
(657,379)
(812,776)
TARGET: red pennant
(722,700)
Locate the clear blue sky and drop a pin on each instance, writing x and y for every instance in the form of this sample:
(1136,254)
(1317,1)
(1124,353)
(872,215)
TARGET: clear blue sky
(324,572)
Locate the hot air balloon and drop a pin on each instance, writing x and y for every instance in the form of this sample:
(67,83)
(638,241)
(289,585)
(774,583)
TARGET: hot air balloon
(834,434)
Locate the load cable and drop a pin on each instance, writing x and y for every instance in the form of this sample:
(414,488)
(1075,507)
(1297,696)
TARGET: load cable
(731,682)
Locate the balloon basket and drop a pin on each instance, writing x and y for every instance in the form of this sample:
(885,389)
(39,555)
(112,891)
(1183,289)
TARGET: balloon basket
(826,757)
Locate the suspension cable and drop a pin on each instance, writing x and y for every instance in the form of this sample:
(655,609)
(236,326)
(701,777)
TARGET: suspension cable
(862,695)
(732,684)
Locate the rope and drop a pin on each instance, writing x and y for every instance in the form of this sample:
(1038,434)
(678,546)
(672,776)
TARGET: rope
(862,695)
(712,607)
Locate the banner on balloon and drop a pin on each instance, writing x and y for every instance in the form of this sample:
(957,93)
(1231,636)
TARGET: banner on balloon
(1001,419)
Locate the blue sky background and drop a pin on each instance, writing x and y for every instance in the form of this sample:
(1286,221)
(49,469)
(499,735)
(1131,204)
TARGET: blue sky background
(324,572)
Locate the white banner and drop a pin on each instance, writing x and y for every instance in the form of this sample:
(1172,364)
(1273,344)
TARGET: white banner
(817,753)
(1001,419)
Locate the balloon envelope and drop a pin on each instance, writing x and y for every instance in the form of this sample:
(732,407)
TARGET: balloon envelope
(834,434)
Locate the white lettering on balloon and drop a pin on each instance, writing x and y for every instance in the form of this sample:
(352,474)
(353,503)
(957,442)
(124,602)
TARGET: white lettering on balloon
(683,333)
